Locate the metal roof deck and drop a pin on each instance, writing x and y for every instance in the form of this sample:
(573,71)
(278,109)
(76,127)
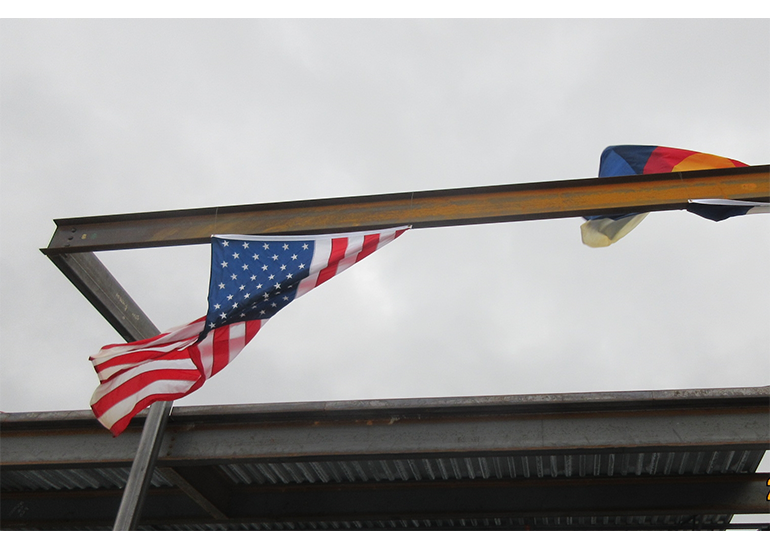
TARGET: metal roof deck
(682,459)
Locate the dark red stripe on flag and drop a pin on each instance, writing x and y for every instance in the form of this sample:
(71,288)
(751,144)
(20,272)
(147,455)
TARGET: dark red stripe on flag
(152,340)
(370,245)
(195,357)
(140,356)
(339,246)
(220,349)
(169,356)
(117,428)
(135,384)
(252,328)
(137,342)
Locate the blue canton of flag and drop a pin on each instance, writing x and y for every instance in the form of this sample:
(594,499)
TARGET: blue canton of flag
(254,279)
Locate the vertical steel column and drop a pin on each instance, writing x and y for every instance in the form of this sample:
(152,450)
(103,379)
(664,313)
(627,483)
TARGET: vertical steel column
(96,283)
(142,468)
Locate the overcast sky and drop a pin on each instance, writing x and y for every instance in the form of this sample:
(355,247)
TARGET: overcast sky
(104,117)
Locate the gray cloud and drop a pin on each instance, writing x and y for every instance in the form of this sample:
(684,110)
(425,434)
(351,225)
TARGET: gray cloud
(101,117)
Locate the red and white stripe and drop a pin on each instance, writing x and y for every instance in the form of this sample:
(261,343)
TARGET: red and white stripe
(173,364)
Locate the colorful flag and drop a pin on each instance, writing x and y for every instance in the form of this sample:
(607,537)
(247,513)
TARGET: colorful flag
(629,160)
(252,278)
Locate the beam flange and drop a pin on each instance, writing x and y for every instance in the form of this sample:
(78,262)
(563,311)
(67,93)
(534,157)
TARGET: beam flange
(716,419)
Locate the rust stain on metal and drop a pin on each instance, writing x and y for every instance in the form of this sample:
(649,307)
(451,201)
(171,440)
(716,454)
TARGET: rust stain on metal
(492,204)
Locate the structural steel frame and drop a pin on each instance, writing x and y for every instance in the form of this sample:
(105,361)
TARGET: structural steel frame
(684,452)
(75,240)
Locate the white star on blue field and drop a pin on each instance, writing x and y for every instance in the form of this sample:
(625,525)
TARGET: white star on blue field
(254,279)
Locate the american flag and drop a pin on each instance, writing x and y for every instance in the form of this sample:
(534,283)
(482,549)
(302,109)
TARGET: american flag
(252,278)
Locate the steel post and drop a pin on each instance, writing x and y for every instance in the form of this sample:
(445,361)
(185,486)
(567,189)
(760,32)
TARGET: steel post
(89,275)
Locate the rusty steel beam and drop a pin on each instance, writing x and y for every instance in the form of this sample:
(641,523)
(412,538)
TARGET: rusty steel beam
(89,275)
(476,205)
(664,421)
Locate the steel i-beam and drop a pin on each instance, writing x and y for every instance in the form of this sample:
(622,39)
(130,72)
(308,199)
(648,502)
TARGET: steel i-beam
(448,207)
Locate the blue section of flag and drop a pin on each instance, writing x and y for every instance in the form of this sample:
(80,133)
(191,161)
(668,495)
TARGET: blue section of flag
(254,279)
(717,213)
(624,160)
